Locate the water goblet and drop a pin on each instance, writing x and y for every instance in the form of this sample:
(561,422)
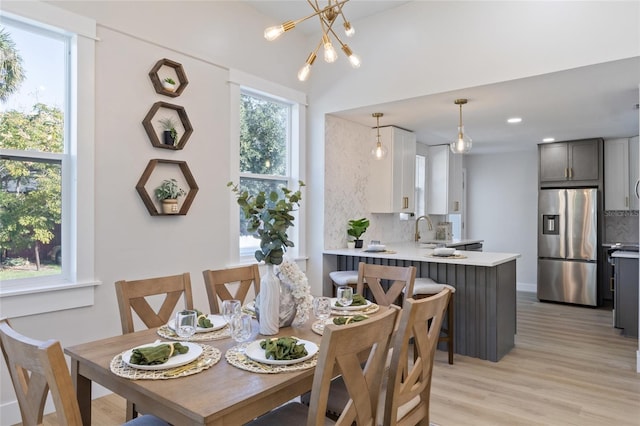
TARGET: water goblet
(241,329)
(322,309)
(230,308)
(345,295)
(186,322)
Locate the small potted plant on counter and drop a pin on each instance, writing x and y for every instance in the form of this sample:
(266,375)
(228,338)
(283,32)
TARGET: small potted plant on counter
(357,227)
(170,132)
(169,84)
(167,193)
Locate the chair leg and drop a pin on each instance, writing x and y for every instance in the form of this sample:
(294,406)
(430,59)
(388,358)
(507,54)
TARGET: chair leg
(450,329)
(131,411)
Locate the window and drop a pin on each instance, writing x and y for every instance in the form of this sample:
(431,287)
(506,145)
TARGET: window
(265,134)
(47,169)
(267,126)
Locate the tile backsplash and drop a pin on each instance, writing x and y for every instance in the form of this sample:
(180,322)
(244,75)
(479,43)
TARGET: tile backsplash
(621,226)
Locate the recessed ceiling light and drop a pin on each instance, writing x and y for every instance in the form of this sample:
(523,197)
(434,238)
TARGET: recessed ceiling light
(548,140)
(514,120)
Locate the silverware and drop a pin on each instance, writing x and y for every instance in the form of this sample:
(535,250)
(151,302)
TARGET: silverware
(194,364)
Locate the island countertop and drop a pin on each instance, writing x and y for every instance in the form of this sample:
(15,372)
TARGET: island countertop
(420,252)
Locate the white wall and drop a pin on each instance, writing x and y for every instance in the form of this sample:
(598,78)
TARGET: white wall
(502,208)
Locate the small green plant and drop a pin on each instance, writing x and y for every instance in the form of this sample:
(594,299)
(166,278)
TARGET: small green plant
(357,227)
(169,125)
(170,80)
(169,190)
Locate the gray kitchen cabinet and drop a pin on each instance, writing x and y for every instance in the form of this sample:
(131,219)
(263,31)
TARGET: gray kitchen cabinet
(626,293)
(571,163)
(392,179)
(634,173)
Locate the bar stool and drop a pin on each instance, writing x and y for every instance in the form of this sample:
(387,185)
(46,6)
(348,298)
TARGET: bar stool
(425,287)
(341,278)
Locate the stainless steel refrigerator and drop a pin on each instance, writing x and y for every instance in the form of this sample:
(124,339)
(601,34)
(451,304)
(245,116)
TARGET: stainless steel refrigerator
(568,245)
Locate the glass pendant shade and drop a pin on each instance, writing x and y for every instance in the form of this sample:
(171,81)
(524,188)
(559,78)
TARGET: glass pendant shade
(379,151)
(462,144)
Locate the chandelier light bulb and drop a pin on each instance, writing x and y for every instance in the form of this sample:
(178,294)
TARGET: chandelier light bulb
(348,29)
(304,72)
(276,31)
(353,59)
(330,54)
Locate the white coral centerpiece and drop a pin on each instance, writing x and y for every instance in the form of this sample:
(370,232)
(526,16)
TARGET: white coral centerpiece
(290,274)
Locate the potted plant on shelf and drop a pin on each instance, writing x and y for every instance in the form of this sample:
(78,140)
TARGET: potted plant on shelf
(268,217)
(167,193)
(357,227)
(170,132)
(169,84)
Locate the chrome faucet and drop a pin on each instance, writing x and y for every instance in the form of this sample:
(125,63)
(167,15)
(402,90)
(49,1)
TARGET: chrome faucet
(428,219)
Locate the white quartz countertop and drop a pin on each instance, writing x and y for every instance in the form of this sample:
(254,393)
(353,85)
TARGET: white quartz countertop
(418,252)
(451,243)
(627,254)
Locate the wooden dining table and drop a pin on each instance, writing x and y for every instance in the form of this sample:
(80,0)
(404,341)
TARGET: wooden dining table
(220,395)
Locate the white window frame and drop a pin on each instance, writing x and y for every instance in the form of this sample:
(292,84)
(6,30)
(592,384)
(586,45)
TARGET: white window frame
(75,287)
(240,82)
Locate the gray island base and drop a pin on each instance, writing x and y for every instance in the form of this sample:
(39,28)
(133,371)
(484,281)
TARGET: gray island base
(485,298)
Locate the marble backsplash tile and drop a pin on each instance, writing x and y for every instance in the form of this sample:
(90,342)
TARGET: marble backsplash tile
(621,226)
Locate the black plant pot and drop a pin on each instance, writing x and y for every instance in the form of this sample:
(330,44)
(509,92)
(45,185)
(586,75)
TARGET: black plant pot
(359,243)
(168,139)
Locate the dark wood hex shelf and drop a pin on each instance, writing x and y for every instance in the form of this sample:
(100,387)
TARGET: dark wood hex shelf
(153,135)
(146,198)
(157,83)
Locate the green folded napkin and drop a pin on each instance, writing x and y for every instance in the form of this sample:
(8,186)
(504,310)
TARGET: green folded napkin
(357,300)
(347,320)
(203,320)
(159,354)
(283,348)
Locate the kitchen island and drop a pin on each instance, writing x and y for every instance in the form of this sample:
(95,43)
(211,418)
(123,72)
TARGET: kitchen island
(485,282)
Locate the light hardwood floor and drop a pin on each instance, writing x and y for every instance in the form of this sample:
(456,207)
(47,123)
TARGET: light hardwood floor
(569,367)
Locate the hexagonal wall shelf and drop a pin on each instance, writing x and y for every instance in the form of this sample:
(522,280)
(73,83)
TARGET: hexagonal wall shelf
(157,81)
(146,198)
(152,133)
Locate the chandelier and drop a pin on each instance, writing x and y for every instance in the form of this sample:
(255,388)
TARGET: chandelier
(462,144)
(327,16)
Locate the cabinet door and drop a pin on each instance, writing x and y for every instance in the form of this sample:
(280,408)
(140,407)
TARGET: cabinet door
(616,174)
(583,160)
(455,183)
(553,162)
(437,179)
(407,197)
(634,163)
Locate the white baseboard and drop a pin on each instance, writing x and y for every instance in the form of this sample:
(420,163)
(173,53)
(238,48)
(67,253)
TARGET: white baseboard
(528,287)
(10,411)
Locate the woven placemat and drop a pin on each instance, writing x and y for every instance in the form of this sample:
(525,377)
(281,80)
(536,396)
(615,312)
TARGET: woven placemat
(235,357)
(369,310)
(209,354)
(222,333)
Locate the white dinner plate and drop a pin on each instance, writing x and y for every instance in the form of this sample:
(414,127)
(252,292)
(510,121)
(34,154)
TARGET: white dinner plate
(256,353)
(218,322)
(348,308)
(195,350)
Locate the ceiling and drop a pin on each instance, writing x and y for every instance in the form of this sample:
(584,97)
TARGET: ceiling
(593,101)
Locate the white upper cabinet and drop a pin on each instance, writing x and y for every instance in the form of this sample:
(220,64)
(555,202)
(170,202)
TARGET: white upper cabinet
(392,179)
(444,181)
(620,174)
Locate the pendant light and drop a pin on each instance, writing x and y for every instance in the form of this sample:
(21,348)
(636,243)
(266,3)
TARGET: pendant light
(379,151)
(462,144)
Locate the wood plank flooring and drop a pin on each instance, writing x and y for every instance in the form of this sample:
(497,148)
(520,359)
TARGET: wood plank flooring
(569,367)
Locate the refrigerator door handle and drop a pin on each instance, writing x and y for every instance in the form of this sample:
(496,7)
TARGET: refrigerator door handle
(636,189)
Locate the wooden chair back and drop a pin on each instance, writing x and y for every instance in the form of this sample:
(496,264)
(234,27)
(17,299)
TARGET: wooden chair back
(37,368)
(341,349)
(132,296)
(402,278)
(409,383)
(220,284)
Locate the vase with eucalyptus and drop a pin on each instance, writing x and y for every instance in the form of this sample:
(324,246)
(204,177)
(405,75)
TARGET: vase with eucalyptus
(268,217)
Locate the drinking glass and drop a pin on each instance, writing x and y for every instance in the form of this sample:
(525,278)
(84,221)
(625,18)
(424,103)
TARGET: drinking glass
(241,329)
(186,322)
(322,309)
(230,308)
(345,295)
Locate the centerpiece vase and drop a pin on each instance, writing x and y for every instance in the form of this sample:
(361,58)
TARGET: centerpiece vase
(269,303)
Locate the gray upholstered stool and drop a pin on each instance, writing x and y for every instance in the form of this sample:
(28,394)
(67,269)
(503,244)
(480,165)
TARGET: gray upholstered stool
(341,278)
(425,287)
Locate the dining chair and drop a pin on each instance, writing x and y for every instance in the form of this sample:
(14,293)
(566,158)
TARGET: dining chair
(340,350)
(408,388)
(39,367)
(220,284)
(132,296)
(371,275)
